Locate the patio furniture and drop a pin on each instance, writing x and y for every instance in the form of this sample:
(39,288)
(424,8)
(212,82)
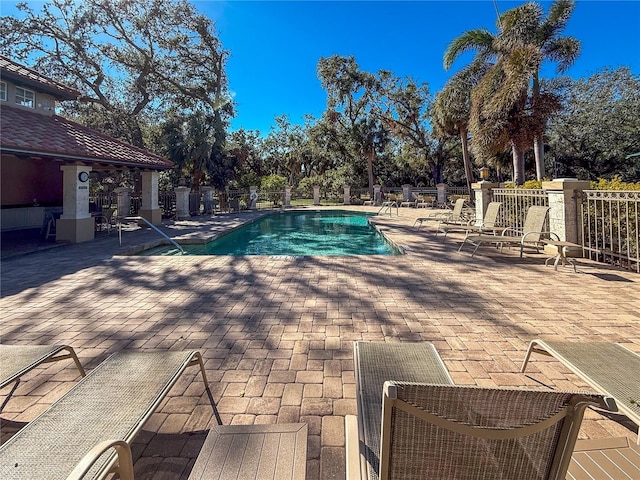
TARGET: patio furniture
(375,363)
(609,368)
(531,233)
(17,360)
(276,452)
(488,225)
(87,432)
(608,458)
(455,215)
(441,431)
(562,252)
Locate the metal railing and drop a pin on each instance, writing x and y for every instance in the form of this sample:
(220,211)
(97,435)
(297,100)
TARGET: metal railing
(152,226)
(516,203)
(611,227)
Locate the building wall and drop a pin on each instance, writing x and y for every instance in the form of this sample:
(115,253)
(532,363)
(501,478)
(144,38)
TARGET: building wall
(43,103)
(24,180)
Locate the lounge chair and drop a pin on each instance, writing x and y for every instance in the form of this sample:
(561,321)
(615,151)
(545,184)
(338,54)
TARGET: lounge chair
(609,368)
(455,215)
(442,431)
(488,225)
(17,360)
(411,203)
(87,433)
(607,458)
(530,234)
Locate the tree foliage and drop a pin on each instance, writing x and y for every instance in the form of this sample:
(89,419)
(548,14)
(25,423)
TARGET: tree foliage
(128,59)
(599,127)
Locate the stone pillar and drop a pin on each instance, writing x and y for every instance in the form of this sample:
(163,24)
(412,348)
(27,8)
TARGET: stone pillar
(442,194)
(406,193)
(150,208)
(253,197)
(564,207)
(316,195)
(347,194)
(287,196)
(76,223)
(377,197)
(483,195)
(207,199)
(123,195)
(182,202)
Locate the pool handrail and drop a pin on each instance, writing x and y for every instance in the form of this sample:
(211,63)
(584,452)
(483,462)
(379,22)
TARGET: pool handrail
(142,219)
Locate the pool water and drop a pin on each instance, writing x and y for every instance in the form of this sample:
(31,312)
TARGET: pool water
(297,234)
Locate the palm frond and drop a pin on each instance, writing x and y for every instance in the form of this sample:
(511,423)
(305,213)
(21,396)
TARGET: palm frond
(563,50)
(478,39)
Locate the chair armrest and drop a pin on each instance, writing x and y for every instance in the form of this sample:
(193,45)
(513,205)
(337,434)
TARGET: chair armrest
(352,444)
(125,460)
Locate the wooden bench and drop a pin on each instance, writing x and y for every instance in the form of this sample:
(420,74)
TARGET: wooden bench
(87,433)
(276,452)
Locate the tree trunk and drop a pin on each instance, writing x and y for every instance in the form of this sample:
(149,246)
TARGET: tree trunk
(370,154)
(538,150)
(465,158)
(518,164)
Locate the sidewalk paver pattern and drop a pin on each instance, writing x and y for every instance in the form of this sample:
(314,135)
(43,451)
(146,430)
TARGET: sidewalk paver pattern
(276,333)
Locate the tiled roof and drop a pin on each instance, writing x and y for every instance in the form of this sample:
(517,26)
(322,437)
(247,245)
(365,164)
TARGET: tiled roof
(17,72)
(25,132)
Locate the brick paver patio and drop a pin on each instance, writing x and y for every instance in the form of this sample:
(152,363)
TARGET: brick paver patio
(277,333)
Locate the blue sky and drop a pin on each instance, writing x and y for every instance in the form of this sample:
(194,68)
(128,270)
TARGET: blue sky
(275,45)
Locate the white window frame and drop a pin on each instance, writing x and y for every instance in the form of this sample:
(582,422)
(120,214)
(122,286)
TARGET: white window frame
(21,97)
(3,91)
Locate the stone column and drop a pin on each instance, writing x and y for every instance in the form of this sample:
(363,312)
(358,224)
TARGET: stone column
(377,197)
(483,195)
(406,193)
(316,195)
(287,196)
(442,194)
(207,199)
(76,223)
(564,207)
(123,195)
(150,208)
(182,202)
(253,197)
(347,194)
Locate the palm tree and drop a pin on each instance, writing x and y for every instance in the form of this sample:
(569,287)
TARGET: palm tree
(502,113)
(526,25)
(452,110)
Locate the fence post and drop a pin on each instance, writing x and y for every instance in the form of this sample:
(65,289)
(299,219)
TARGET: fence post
(406,193)
(287,196)
(347,194)
(483,195)
(564,207)
(253,197)
(442,194)
(316,194)
(150,208)
(182,202)
(207,199)
(124,201)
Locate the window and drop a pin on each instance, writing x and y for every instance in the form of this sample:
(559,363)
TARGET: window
(3,91)
(25,97)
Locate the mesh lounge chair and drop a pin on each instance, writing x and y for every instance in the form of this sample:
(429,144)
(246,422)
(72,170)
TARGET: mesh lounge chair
(488,225)
(530,234)
(17,360)
(446,431)
(487,433)
(456,215)
(87,432)
(609,368)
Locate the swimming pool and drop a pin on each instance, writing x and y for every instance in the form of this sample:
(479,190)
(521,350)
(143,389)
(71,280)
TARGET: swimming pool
(302,233)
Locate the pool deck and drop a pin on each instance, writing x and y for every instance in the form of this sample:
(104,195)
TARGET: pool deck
(276,333)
